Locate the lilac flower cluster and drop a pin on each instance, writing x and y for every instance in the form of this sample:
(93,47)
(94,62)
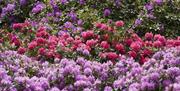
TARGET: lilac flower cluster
(23,2)
(8,9)
(38,8)
(20,73)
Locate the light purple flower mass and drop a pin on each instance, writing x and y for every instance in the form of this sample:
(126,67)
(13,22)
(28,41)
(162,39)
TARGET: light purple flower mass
(73,75)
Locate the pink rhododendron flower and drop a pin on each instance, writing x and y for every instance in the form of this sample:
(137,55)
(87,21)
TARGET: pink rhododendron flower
(104,27)
(157,44)
(105,45)
(98,25)
(119,23)
(135,46)
(21,50)
(91,42)
(87,34)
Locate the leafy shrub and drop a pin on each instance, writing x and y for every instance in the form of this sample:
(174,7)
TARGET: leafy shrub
(14,11)
(160,17)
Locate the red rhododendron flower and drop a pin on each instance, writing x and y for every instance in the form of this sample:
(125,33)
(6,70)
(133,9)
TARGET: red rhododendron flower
(149,36)
(120,48)
(135,46)
(162,39)
(74,47)
(105,45)
(148,43)
(41,51)
(112,55)
(132,54)
(17,26)
(170,43)
(119,23)
(65,35)
(40,40)
(21,50)
(147,52)
(42,34)
(128,41)
(57,55)
(32,45)
(17,42)
(143,59)
(157,36)
(177,43)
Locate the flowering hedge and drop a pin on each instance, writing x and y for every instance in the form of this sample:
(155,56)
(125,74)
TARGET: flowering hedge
(144,16)
(161,73)
(89,45)
(59,12)
(105,41)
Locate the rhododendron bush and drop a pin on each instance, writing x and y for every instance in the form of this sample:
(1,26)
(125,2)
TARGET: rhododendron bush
(160,73)
(89,45)
(101,43)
